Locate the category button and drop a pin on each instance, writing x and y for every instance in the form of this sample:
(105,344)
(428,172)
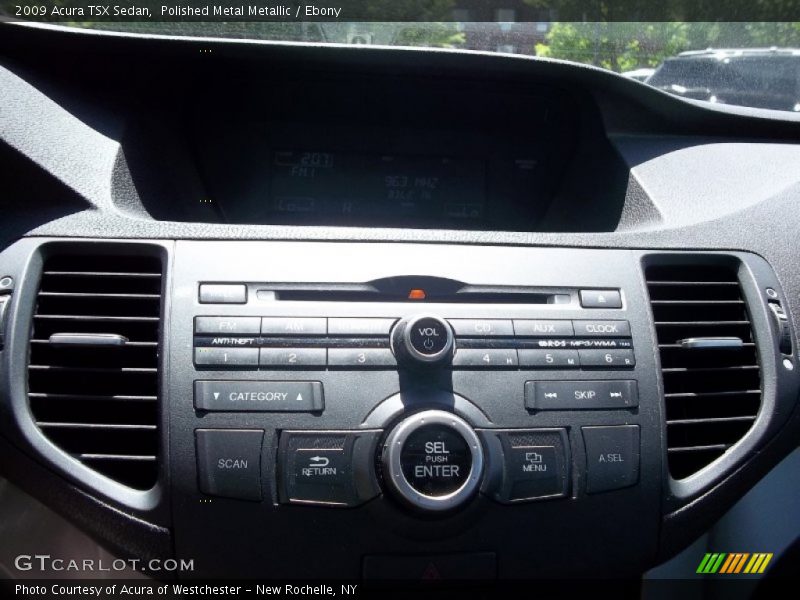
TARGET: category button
(294,326)
(258,396)
(227,325)
(480,328)
(542,328)
(602,328)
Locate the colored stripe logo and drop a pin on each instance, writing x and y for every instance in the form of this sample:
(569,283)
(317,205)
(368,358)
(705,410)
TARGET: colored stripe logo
(734,562)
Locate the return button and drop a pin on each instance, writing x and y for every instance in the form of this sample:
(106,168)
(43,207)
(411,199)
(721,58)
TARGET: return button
(259,396)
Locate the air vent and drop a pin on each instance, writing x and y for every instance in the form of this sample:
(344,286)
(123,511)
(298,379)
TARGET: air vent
(712,385)
(93,371)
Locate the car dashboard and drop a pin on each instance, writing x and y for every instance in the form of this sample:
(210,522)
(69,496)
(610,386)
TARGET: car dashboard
(388,308)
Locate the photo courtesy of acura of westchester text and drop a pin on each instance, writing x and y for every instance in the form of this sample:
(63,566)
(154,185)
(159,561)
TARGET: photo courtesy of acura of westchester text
(393,298)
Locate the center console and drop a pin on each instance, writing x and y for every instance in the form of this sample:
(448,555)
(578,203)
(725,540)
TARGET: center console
(474,411)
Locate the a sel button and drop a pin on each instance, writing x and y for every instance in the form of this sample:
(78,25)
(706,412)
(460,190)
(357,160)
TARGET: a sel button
(258,396)
(612,457)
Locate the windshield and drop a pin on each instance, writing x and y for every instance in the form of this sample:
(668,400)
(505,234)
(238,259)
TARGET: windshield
(753,64)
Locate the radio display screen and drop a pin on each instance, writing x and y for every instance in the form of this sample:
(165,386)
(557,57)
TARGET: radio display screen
(364,186)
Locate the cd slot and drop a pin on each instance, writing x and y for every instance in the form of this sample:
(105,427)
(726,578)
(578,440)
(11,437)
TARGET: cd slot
(419,294)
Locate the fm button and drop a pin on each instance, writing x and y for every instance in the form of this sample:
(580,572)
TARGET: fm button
(423,340)
(433,460)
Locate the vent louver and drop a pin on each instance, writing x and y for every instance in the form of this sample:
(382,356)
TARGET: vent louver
(712,395)
(99,403)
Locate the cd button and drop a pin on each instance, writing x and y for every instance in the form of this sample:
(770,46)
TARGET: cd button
(481,328)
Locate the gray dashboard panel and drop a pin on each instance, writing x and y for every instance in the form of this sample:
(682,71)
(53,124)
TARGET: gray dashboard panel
(352,395)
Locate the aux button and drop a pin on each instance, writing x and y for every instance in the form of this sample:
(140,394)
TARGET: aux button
(423,340)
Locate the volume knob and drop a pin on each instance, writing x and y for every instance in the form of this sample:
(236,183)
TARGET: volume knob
(423,340)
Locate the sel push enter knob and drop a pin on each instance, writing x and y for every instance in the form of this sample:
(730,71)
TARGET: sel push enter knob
(423,341)
(433,460)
